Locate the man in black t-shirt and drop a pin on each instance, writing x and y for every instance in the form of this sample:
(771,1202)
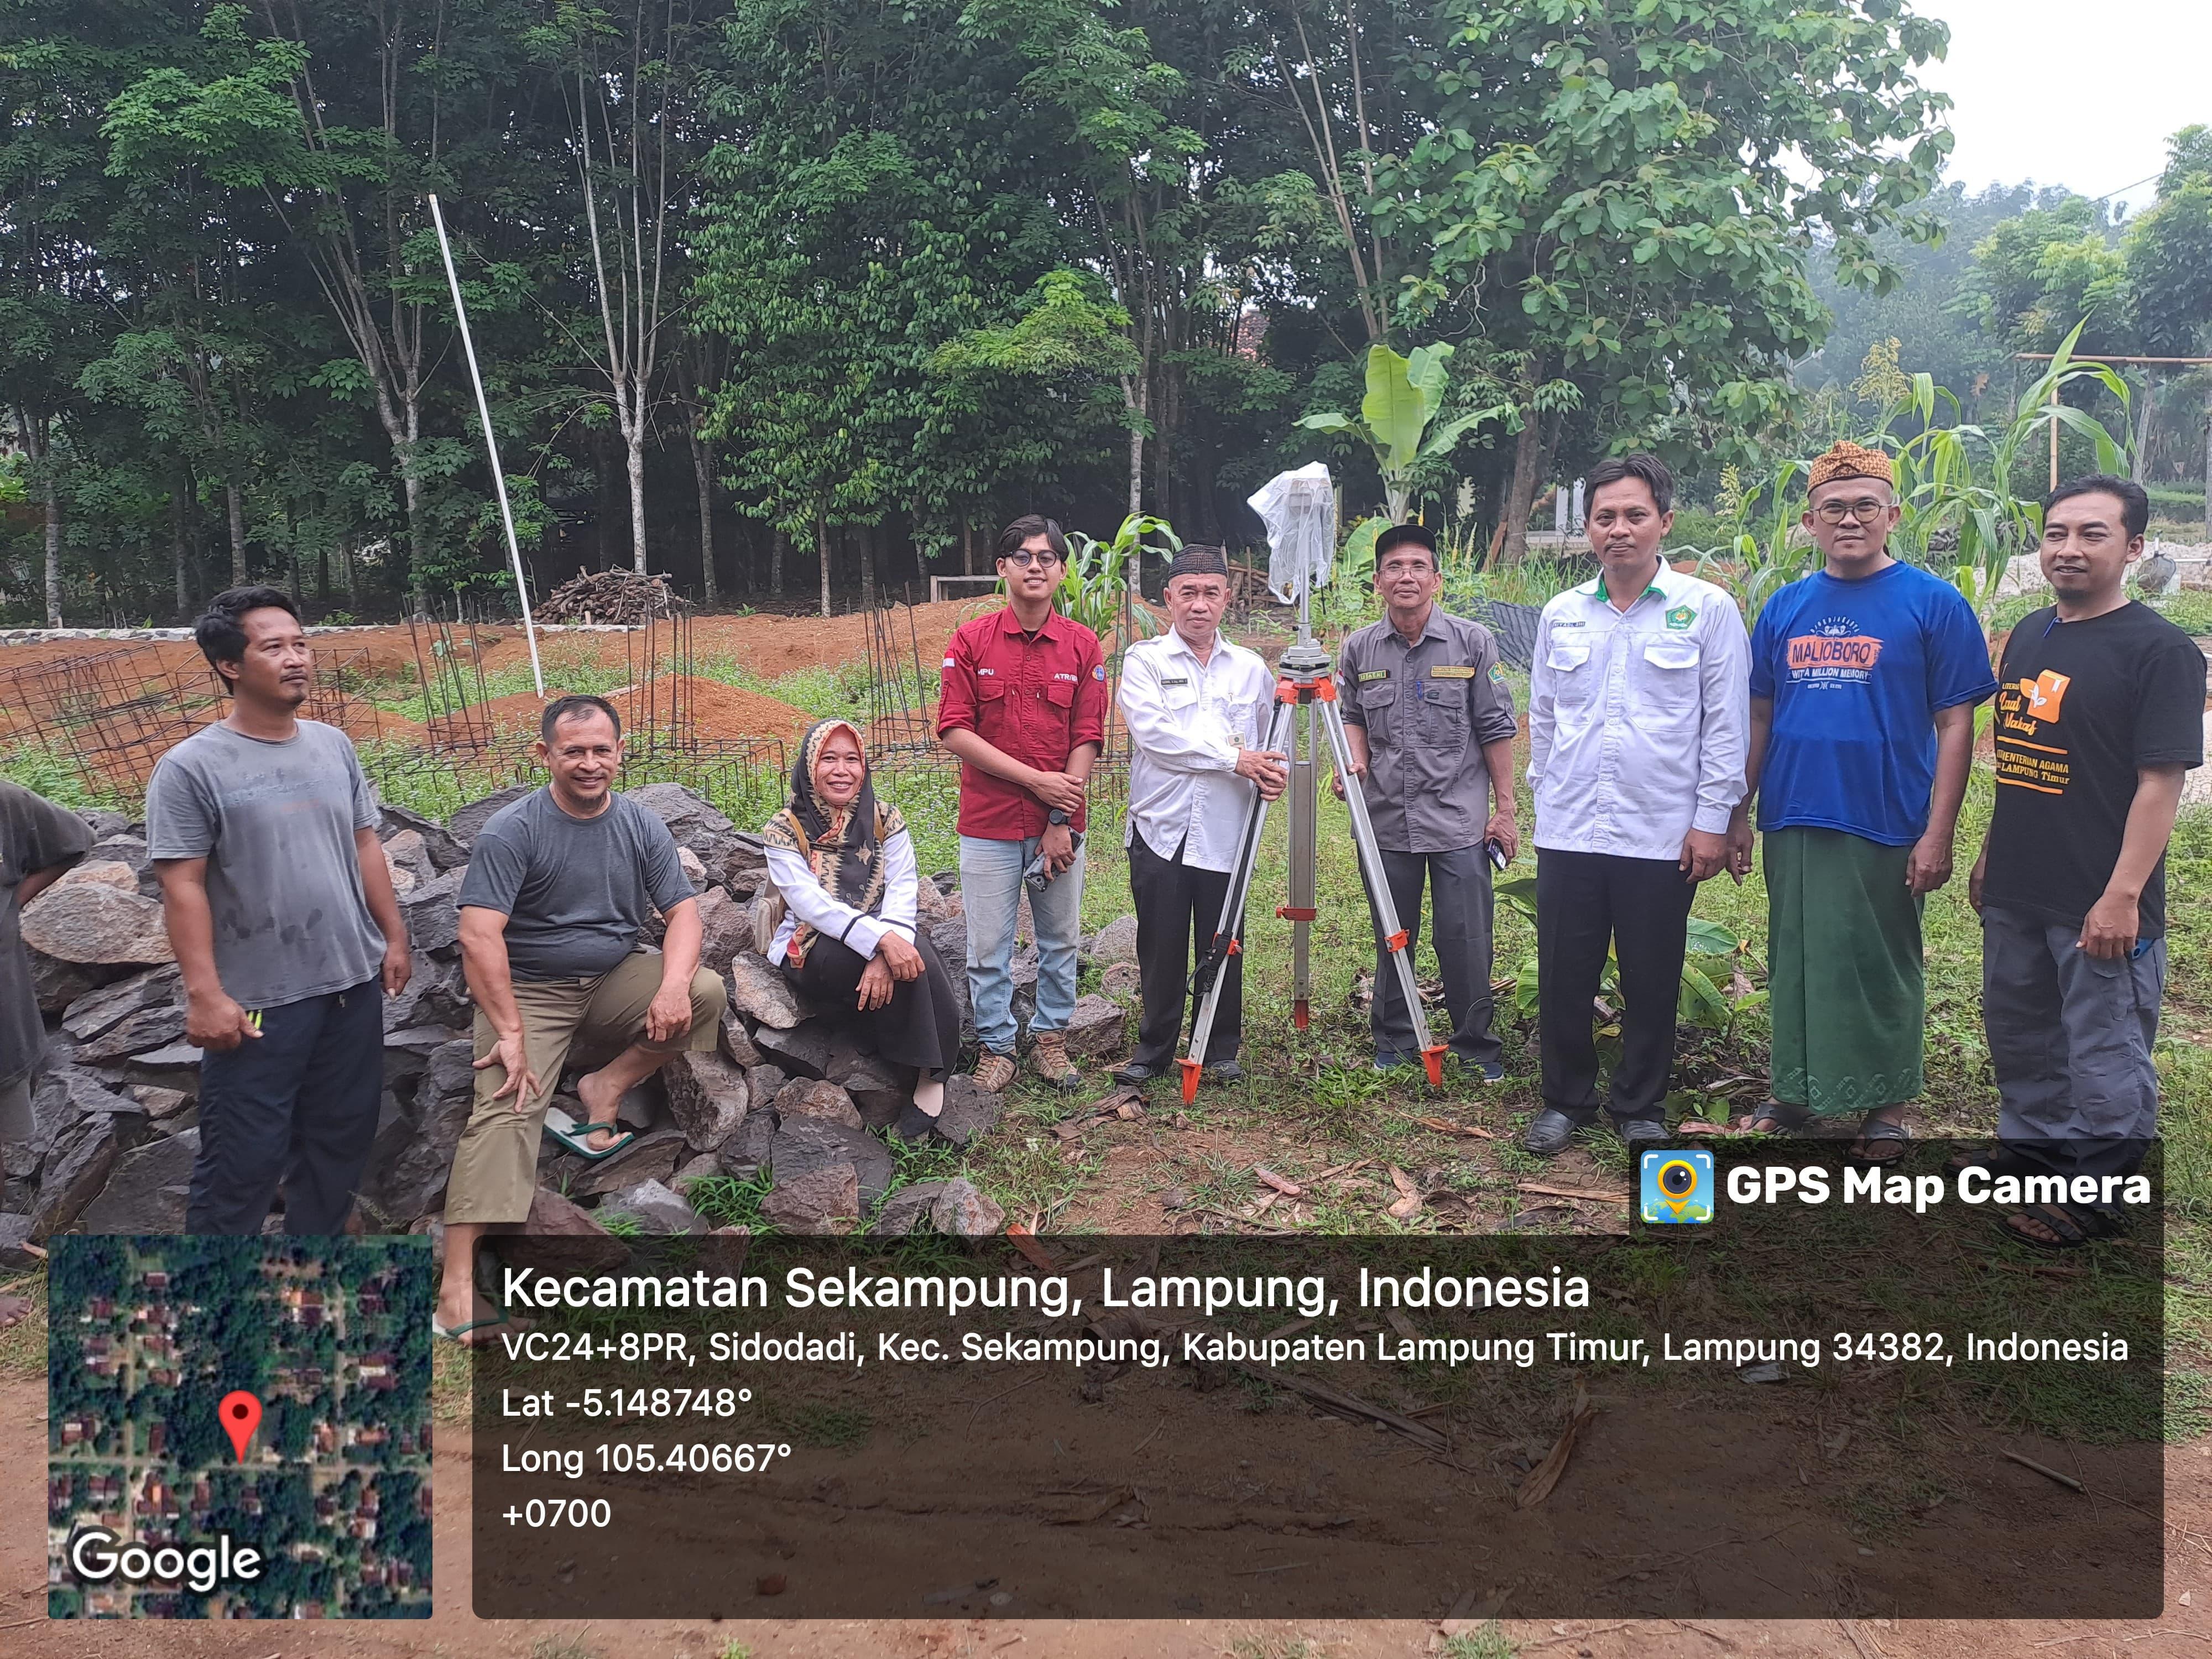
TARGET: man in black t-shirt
(2100,712)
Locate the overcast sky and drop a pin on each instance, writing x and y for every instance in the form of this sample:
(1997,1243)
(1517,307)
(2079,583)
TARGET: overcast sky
(2080,93)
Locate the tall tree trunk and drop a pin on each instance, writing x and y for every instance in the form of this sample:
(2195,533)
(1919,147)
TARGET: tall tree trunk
(702,469)
(53,550)
(177,551)
(349,567)
(2208,467)
(633,441)
(234,501)
(822,546)
(867,534)
(777,547)
(967,544)
(1520,493)
(410,484)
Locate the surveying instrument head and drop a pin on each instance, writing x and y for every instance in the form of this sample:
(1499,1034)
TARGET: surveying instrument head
(1299,509)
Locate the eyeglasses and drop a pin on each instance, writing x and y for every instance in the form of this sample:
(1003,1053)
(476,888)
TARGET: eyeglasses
(1026,556)
(1866,511)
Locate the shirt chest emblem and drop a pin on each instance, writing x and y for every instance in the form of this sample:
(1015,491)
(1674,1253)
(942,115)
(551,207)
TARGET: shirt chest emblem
(1681,617)
(1451,671)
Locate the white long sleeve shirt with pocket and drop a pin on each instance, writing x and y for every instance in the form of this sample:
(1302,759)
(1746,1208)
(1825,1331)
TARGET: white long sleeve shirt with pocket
(805,899)
(1638,719)
(1188,720)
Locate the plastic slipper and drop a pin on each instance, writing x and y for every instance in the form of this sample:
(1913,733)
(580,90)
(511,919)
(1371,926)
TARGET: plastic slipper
(1786,1118)
(458,1331)
(572,1135)
(2075,1224)
(1878,1131)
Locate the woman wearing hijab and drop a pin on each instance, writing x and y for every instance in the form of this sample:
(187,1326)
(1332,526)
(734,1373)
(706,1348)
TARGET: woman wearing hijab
(845,866)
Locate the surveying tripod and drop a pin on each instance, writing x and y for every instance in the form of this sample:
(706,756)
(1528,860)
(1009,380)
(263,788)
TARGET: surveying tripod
(1305,695)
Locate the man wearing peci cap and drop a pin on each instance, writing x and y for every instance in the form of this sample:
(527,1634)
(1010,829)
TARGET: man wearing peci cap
(1864,676)
(1429,718)
(1195,704)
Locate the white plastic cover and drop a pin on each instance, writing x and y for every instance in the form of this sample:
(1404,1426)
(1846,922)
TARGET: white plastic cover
(1299,509)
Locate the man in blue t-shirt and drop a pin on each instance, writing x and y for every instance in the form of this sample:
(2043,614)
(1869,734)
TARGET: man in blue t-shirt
(1864,676)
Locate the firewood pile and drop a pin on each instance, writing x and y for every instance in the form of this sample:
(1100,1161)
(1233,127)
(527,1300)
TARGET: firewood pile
(622,597)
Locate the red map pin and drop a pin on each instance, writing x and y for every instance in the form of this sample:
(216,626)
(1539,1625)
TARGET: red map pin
(241,1414)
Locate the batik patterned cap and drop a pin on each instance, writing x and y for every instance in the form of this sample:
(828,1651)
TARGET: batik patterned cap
(1849,460)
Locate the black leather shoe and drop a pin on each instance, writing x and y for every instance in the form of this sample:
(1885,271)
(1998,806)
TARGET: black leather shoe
(1637,1132)
(1136,1072)
(1548,1133)
(1223,1071)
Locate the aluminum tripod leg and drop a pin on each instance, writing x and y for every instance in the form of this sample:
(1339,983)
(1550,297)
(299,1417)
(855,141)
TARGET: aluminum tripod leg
(1387,929)
(1305,817)
(1228,933)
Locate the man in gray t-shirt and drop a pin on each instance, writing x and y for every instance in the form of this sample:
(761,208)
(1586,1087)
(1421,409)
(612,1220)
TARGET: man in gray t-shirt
(279,902)
(553,914)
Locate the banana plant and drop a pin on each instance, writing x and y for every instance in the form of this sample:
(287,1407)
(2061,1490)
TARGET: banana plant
(1396,418)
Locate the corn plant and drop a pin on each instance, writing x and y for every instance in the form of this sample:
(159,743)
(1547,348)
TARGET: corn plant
(1097,588)
(1954,483)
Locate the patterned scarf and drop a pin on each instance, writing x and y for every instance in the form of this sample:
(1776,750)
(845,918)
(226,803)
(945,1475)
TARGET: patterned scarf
(842,846)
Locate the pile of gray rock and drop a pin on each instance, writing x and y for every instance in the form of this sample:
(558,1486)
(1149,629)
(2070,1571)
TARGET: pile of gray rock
(785,1098)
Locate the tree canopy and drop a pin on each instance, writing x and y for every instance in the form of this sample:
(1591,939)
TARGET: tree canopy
(790,299)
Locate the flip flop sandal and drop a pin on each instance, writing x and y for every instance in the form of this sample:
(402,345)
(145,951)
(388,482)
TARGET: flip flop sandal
(1783,1118)
(1876,1130)
(2075,1226)
(574,1135)
(457,1332)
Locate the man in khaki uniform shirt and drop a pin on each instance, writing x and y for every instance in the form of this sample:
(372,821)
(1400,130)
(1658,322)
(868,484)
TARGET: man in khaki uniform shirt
(1429,721)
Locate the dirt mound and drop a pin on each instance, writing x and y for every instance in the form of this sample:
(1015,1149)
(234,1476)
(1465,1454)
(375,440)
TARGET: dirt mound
(703,708)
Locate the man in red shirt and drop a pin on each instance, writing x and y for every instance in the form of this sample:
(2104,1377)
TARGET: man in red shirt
(1024,706)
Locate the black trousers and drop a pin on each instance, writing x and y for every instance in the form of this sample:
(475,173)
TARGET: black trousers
(1460,893)
(919,1026)
(296,1109)
(1174,904)
(1641,908)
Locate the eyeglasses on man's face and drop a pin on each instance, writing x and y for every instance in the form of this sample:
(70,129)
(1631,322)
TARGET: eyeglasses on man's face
(1026,556)
(1866,510)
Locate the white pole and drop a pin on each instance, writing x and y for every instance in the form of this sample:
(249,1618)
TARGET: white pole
(491,446)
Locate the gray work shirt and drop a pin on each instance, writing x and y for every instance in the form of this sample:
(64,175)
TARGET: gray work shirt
(575,890)
(276,822)
(34,835)
(1427,709)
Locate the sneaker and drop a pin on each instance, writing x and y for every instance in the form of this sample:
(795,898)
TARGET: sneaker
(1048,1059)
(993,1072)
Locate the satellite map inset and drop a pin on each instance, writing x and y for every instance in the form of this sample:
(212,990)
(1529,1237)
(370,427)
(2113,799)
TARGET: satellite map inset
(238,1428)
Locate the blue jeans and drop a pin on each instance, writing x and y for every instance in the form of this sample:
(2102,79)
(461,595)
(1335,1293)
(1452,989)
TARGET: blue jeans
(991,895)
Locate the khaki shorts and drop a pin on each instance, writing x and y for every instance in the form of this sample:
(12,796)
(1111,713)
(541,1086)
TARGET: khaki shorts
(495,1164)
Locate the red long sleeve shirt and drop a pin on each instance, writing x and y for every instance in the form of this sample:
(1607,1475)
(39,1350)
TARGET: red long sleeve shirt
(1036,697)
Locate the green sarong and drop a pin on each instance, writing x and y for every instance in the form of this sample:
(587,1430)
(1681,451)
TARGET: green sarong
(1842,964)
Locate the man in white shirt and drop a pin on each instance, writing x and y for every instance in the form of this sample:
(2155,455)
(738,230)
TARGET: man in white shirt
(1638,704)
(1195,704)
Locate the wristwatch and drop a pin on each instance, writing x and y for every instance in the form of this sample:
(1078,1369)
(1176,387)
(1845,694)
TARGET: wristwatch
(1057,817)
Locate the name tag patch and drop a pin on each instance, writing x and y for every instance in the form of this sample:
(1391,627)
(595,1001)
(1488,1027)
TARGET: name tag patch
(1071,678)
(1368,674)
(1448,672)
(1184,680)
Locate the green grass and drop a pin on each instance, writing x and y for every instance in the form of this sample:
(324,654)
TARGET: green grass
(1490,1641)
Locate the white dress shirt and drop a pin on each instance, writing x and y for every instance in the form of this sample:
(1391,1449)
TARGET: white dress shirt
(1186,722)
(805,899)
(1636,718)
